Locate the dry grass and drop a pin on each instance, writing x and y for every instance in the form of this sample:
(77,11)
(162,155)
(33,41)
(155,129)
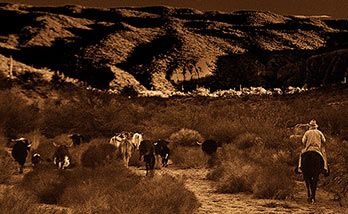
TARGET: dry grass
(7,166)
(17,201)
(257,171)
(98,155)
(185,137)
(257,127)
(45,183)
(162,195)
(106,186)
(189,157)
(110,188)
(158,195)
(17,114)
(273,181)
(337,182)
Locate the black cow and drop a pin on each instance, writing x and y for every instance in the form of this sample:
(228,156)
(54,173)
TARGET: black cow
(61,157)
(210,147)
(77,139)
(36,158)
(147,150)
(162,149)
(20,151)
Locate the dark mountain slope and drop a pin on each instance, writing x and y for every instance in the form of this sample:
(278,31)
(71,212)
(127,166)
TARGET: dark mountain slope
(166,48)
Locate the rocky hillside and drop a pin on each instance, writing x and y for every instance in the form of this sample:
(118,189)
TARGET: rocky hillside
(168,49)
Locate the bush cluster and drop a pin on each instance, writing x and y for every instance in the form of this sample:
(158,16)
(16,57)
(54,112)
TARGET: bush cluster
(98,155)
(7,166)
(186,137)
(110,188)
(256,170)
(257,128)
(103,115)
(17,201)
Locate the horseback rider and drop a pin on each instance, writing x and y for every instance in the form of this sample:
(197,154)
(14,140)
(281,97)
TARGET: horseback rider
(314,140)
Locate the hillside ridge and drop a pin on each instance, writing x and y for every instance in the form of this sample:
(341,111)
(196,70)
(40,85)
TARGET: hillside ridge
(172,49)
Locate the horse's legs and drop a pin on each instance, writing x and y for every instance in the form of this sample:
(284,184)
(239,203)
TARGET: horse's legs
(314,187)
(308,186)
(147,165)
(124,157)
(127,161)
(21,166)
(152,166)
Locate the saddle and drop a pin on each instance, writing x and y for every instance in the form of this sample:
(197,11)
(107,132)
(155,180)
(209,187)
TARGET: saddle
(313,149)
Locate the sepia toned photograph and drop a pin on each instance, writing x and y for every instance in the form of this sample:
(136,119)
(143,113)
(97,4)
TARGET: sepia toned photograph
(173,106)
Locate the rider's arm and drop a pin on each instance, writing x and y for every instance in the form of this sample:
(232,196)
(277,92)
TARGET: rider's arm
(323,140)
(304,138)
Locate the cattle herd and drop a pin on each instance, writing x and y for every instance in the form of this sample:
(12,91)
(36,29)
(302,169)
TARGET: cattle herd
(126,144)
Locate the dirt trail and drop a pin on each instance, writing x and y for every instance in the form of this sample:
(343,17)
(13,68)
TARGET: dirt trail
(212,202)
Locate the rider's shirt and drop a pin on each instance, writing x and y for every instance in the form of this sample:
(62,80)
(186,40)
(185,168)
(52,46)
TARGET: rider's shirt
(313,139)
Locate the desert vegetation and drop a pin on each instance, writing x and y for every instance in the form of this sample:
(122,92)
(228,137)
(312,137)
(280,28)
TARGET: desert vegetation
(109,188)
(257,156)
(243,79)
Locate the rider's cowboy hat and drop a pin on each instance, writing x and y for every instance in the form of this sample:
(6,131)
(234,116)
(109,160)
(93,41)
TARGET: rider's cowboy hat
(313,124)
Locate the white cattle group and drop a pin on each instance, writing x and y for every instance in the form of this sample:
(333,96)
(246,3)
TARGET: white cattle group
(126,143)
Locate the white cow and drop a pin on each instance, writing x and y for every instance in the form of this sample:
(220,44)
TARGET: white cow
(125,143)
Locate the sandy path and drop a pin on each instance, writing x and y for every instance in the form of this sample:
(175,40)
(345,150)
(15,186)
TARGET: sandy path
(212,202)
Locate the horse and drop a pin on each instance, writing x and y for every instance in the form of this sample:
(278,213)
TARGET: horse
(312,164)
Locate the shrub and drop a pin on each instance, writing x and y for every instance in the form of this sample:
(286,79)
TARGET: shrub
(236,176)
(257,170)
(7,166)
(98,155)
(158,195)
(46,183)
(224,130)
(247,140)
(337,182)
(3,140)
(189,157)
(114,189)
(35,138)
(111,188)
(88,198)
(76,152)
(162,194)
(273,181)
(17,201)
(17,116)
(46,149)
(234,184)
(186,137)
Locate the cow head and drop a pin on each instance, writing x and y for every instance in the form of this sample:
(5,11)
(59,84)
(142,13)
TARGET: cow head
(23,141)
(58,145)
(61,157)
(76,138)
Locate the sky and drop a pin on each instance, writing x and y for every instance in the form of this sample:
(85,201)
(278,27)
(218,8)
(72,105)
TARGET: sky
(334,8)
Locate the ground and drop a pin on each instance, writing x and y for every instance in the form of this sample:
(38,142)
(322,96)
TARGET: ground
(213,202)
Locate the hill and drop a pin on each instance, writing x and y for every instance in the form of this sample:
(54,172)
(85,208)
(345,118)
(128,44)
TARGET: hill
(167,49)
